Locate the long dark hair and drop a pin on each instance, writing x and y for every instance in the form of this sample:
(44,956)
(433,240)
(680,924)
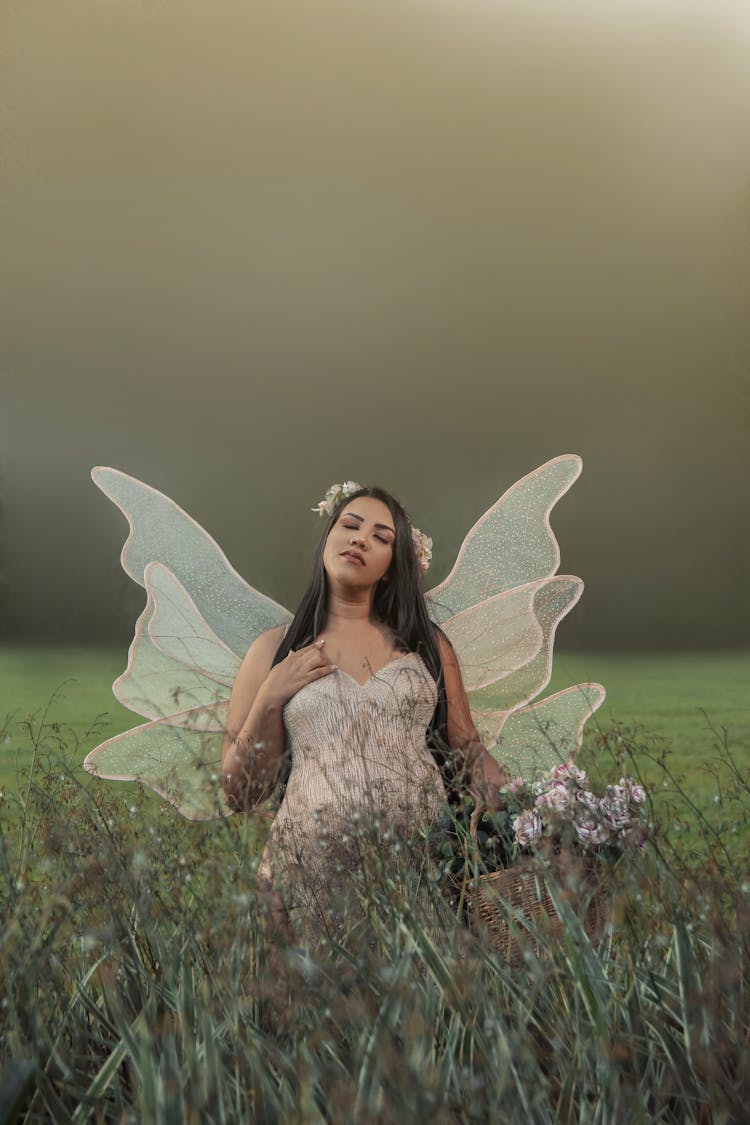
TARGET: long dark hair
(398,602)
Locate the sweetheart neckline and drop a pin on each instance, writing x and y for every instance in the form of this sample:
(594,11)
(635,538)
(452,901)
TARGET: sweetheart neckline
(388,664)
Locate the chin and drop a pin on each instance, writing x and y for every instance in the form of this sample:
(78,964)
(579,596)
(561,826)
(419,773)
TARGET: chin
(349,576)
(357,580)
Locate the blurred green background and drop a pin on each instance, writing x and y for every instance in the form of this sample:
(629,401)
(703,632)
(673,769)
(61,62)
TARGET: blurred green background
(693,706)
(251,249)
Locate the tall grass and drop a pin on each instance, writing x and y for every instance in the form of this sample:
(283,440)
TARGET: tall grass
(135,985)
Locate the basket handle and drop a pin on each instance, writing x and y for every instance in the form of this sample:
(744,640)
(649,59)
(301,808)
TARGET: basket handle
(476,816)
(480,808)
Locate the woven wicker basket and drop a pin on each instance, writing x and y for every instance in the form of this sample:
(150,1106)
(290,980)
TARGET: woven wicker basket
(495,901)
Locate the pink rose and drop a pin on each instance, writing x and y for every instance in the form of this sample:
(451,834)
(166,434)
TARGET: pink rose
(557,799)
(587,800)
(528,827)
(615,810)
(636,793)
(591,831)
(568,771)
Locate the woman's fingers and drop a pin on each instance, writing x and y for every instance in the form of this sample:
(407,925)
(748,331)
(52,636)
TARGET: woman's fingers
(310,663)
(315,656)
(308,660)
(321,666)
(304,654)
(316,646)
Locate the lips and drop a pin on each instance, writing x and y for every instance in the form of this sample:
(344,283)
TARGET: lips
(354,556)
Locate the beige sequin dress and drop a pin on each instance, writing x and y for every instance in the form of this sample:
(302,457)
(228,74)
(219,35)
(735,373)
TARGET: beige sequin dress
(362,784)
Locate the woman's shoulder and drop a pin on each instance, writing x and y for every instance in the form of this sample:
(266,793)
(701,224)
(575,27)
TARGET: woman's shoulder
(272,638)
(266,644)
(255,666)
(445,648)
(442,641)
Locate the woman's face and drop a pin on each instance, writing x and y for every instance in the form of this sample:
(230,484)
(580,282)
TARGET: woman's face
(359,547)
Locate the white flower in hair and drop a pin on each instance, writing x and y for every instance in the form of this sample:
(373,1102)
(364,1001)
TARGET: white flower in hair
(422,548)
(335,493)
(421,542)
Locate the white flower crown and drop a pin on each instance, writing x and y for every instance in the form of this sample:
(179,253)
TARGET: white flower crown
(422,543)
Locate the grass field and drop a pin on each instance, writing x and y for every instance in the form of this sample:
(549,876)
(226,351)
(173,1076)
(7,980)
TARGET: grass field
(689,698)
(696,702)
(666,692)
(136,982)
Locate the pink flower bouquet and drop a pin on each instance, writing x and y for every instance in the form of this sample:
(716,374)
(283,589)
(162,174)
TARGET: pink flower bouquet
(564,810)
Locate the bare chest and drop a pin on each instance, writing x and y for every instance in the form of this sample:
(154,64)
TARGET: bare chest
(360,655)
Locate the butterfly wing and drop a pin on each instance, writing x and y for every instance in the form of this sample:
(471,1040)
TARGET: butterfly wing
(511,544)
(160,531)
(500,607)
(200,616)
(179,757)
(505,643)
(531,741)
(176,662)
(179,675)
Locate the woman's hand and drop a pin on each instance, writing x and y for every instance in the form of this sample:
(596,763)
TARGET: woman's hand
(488,778)
(254,741)
(294,672)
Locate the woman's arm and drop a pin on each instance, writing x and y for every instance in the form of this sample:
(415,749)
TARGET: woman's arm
(255,740)
(484,774)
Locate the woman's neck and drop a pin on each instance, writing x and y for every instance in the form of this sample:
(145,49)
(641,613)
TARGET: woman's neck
(355,608)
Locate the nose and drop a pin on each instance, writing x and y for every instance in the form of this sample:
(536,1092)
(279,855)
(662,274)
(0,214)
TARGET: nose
(357,541)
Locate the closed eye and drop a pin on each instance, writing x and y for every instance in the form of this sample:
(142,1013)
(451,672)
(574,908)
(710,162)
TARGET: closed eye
(352,526)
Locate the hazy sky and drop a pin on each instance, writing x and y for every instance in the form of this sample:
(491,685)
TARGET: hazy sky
(249,249)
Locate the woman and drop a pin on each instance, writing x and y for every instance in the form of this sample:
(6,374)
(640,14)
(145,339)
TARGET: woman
(357,702)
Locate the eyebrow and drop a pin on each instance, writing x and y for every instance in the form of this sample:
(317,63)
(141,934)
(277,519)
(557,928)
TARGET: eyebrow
(384,526)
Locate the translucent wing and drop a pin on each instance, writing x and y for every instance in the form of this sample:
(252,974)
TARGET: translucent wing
(532,740)
(500,607)
(161,532)
(504,644)
(200,617)
(179,674)
(179,757)
(175,662)
(511,544)
(180,631)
